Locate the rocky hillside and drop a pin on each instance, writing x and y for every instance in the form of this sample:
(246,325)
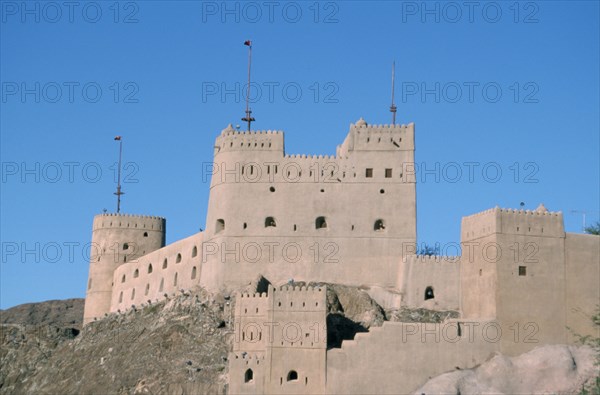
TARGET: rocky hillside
(180,346)
(67,313)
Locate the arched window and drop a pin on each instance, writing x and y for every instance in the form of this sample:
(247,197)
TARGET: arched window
(194,272)
(248,376)
(165,263)
(136,274)
(123,278)
(149,268)
(292,375)
(178,259)
(429,293)
(145,234)
(270,221)
(194,251)
(379,225)
(220,225)
(320,223)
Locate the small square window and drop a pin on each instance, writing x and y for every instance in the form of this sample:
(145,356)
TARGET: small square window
(388,173)
(369,173)
(522,270)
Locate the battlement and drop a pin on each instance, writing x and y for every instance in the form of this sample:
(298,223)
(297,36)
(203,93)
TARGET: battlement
(254,140)
(538,222)
(364,137)
(128,221)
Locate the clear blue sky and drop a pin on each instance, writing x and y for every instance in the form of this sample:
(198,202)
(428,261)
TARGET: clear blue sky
(162,76)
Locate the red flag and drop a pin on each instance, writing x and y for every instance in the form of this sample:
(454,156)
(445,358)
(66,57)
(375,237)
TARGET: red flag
(248,43)
(118,138)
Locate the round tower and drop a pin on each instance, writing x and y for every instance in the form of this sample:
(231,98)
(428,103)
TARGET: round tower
(117,239)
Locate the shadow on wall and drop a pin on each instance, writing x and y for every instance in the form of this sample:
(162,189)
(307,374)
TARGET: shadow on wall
(340,328)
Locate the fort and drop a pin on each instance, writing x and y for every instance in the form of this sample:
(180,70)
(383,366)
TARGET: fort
(518,282)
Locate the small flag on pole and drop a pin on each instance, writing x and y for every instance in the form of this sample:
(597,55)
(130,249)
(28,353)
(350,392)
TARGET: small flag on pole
(117,137)
(248,43)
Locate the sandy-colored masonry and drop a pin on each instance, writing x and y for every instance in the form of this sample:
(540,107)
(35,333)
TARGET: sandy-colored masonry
(518,283)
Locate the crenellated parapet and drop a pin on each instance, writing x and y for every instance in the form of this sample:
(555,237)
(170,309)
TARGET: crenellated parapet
(365,137)
(234,140)
(538,222)
(128,221)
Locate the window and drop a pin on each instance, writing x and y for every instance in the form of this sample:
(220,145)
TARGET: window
(150,268)
(248,376)
(522,270)
(136,274)
(178,259)
(194,251)
(123,278)
(429,293)
(379,225)
(292,375)
(272,189)
(121,297)
(90,284)
(125,246)
(270,222)
(388,173)
(162,285)
(165,263)
(194,272)
(245,225)
(175,280)
(369,173)
(220,225)
(145,234)
(320,223)
(147,289)
(132,294)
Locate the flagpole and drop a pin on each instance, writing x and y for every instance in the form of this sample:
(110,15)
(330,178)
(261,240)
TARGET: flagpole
(248,118)
(393,106)
(119,193)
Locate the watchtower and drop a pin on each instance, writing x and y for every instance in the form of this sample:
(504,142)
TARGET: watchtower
(117,239)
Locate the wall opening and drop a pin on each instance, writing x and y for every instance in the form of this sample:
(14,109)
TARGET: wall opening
(132,294)
(125,246)
(194,272)
(136,273)
(379,225)
(162,285)
(194,251)
(270,222)
(90,284)
(295,228)
(147,289)
(388,173)
(123,278)
(165,263)
(150,268)
(369,173)
(145,234)
(320,223)
(175,280)
(429,293)
(248,376)
(121,297)
(272,189)
(382,191)
(522,270)
(178,259)
(220,225)
(292,375)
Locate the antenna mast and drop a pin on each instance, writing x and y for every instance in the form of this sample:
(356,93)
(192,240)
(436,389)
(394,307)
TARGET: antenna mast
(119,192)
(393,106)
(248,118)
